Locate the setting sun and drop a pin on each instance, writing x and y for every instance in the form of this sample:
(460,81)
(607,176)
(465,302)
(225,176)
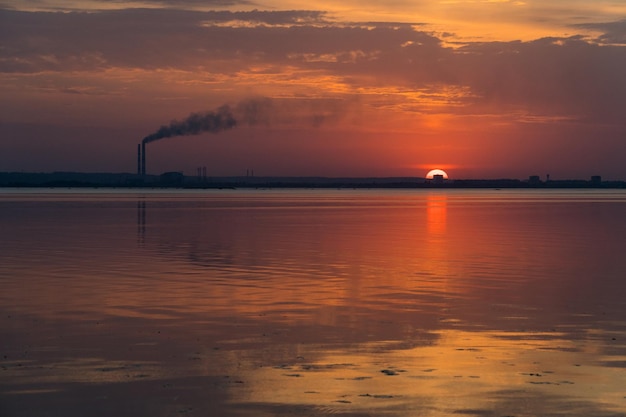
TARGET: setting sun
(431,174)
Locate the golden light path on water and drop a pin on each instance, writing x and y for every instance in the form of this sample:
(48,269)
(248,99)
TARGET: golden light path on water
(463,372)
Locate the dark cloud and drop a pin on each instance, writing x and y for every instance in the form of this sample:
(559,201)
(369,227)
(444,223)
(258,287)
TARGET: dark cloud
(152,39)
(123,4)
(194,3)
(49,41)
(613,32)
(549,76)
(565,77)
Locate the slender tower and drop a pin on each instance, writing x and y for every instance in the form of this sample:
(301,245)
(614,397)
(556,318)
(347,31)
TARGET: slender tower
(139,159)
(143,158)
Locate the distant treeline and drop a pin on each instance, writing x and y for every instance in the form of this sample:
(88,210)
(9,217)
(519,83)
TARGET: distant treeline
(178,180)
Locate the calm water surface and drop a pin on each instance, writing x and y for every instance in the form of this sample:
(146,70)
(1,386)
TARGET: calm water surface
(308,302)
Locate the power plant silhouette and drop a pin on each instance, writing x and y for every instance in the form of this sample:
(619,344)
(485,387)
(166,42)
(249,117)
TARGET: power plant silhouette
(196,123)
(257,111)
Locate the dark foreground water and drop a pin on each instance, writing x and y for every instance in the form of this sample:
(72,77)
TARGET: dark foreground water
(307,303)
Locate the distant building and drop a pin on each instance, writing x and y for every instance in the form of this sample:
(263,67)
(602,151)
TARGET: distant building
(171,178)
(596,179)
(534,180)
(438,179)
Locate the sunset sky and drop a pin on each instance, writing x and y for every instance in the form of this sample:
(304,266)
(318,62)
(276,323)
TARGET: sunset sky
(480,88)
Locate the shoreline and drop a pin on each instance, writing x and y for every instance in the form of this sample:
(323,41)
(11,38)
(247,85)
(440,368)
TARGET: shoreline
(178,180)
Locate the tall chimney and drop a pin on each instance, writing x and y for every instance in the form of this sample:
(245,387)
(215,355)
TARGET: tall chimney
(139,159)
(143,158)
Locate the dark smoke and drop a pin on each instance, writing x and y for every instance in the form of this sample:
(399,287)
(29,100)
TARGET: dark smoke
(196,123)
(264,111)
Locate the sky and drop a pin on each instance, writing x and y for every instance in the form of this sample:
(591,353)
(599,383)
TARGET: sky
(349,88)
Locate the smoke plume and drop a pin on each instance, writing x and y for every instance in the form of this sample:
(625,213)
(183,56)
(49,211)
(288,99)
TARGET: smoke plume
(196,123)
(259,111)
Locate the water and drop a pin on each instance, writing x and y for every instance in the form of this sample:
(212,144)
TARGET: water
(309,302)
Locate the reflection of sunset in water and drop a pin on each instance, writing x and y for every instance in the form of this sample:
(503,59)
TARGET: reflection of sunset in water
(462,371)
(397,302)
(436,206)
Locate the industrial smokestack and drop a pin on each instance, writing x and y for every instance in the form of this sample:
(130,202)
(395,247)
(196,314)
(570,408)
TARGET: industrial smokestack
(143,158)
(194,124)
(139,159)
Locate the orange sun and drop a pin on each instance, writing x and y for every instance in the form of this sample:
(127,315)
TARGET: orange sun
(431,174)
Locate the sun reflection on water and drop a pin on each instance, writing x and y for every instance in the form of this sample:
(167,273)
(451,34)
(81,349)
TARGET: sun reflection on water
(436,211)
